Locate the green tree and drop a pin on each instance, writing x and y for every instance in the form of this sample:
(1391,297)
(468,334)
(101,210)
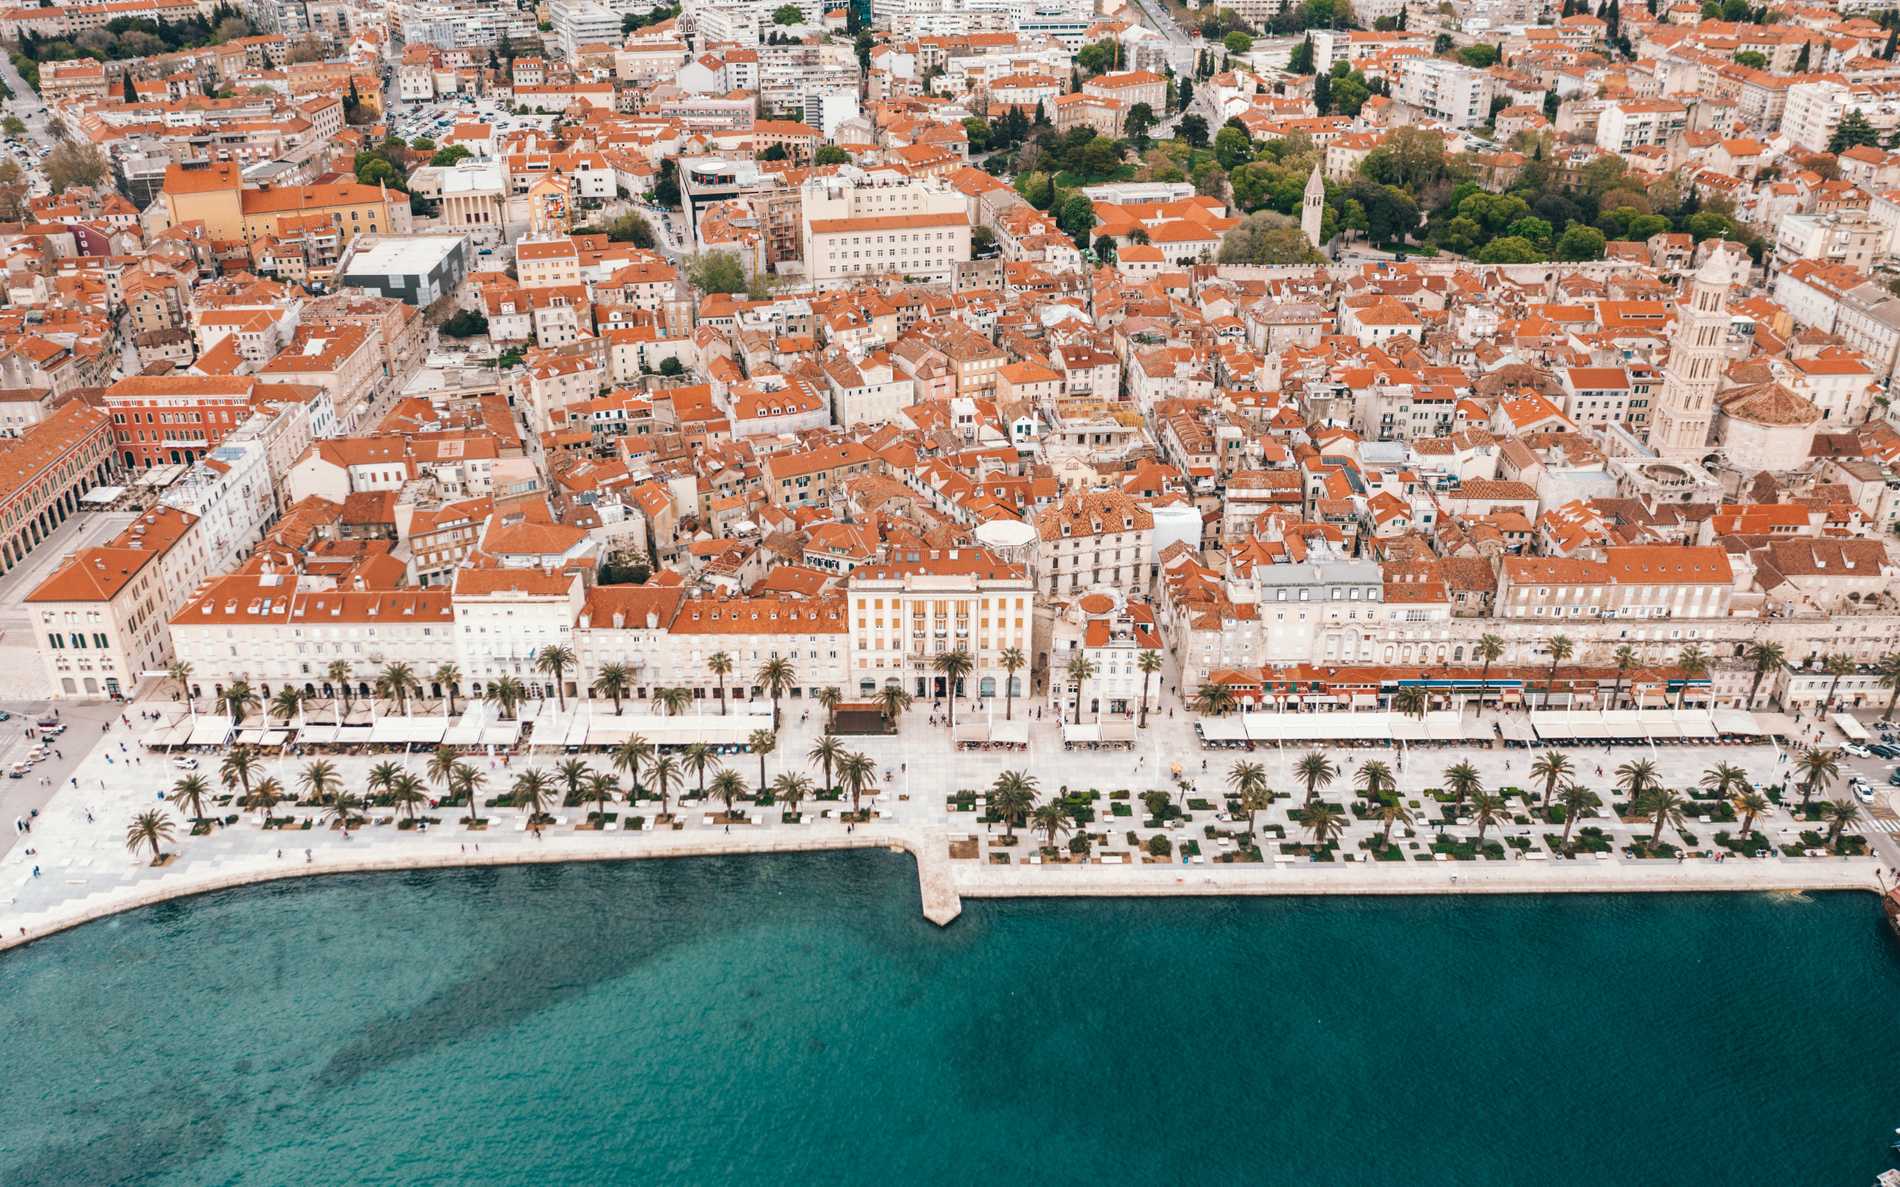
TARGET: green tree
(1509,249)
(1266,238)
(631,227)
(1749,57)
(1237,42)
(150,828)
(1232,148)
(1317,772)
(1301,60)
(444,157)
(1035,188)
(1464,781)
(788,14)
(831,154)
(1479,57)
(1579,242)
(74,164)
(717,272)
(1852,132)
(1193,129)
(1077,217)
(1140,118)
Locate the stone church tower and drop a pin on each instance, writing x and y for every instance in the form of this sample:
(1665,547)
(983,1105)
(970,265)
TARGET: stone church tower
(1313,208)
(1679,428)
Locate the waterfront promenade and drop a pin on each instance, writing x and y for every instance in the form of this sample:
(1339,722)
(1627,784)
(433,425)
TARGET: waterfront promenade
(85,872)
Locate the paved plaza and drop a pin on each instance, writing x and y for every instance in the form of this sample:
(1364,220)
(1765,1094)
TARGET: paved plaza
(77,842)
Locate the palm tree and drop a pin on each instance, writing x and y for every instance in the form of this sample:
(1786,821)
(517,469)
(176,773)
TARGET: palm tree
(699,757)
(573,774)
(720,665)
(1694,665)
(628,757)
(789,788)
(1316,771)
(1464,780)
(728,785)
(448,676)
(1625,660)
(190,794)
(239,700)
(338,674)
(1487,809)
(268,793)
(1391,812)
(240,763)
(441,765)
(1664,806)
(506,694)
(1553,767)
(1889,669)
(1052,818)
(1560,650)
(553,662)
(1636,777)
(467,779)
(531,789)
(672,701)
(179,673)
(1412,701)
(1081,671)
(319,780)
(1842,813)
(892,701)
(664,772)
(1214,699)
(1375,780)
(1818,768)
(826,751)
(408,793)
(1012,796)
(382,777)
(829,698)
(1325,822)
(1148,663)
(1750,804)
(1013,661)
(1725,779)
(953,666)
(1836,665)
(613,682)
(1249,782)
(150,827)
(340,811)
(285,704)
(397,681)
(855,773)
(1765,658)
(1490,649)
(776,676)
(602,786)
(762,743)
(1575,801)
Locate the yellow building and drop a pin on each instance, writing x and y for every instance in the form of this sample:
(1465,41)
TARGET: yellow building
(215,195)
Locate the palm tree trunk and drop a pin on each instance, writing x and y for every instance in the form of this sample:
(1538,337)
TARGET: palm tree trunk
(1550,683)
(1755,688)
(1616,690)
(761,774)
(722,696)
(1144,711)
(1748,822)
(1550,785)
(1893,700)
(560,689)
(1570,821)
(1484,679)
(1657,835)
(1385,837)
(616,704)
(1009,696)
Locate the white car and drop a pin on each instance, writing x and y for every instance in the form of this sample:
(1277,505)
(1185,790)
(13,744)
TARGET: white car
(185,764)
(1864,793)
(1857,750)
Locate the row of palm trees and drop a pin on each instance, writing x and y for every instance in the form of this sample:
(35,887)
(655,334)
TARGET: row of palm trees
(1691,661)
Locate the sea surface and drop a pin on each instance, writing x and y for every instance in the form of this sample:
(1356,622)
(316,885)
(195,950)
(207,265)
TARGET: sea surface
(794,1020)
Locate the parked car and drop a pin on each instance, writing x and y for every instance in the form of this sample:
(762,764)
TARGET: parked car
(1857,750)
(185,764)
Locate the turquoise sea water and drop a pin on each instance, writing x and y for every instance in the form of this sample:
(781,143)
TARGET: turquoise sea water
(793,1020)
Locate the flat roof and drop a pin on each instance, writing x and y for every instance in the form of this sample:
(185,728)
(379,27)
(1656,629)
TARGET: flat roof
(402,255)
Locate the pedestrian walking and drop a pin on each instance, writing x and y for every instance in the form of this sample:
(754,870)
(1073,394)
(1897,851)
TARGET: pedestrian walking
(306,857)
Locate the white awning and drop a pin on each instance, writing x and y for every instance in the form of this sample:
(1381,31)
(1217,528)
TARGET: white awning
(210,731)
(1085,731)
(1223,729)
(732,729)
(501,733)
(1445,725)
(1737,724)
(276,737)
(250,737)
(1117,731)
(320,734)
(403,731)
(467,730)
(1011,733)
(1695,723)
(972,731)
